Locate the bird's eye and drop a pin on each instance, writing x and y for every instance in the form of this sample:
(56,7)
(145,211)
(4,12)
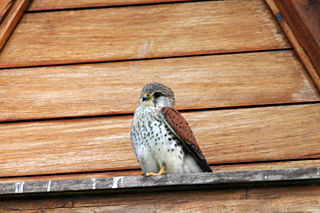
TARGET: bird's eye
(157,94)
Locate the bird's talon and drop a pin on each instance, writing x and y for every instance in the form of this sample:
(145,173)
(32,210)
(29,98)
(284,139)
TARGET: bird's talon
(148,174)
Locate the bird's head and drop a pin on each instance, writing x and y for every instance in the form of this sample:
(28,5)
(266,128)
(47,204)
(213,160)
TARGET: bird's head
(156,94)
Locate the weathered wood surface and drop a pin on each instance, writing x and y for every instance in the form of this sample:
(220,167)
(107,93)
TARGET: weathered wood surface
(266,199)
(101,144)
(138,172)
(309,12)
(13,12)
(216,178)
(303,18)
(303,56)
(5,5)
(198,82)
(38,5)
(142,32)
(267,165)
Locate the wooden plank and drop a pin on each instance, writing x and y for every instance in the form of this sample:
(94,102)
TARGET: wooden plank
(198,82)
(301,17)
(142,32)
(39,5)
(10,20)
(102,144)
(125,202)
(300,204)
(309,12)
(138,172)
(271,199)
(267,165)
(263,199)
(215,179)
(5,5)
(299,23)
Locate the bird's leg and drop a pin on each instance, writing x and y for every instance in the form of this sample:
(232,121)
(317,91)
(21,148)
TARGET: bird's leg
(161,172)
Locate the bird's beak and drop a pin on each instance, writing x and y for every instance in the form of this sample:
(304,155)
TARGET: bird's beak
(146,97)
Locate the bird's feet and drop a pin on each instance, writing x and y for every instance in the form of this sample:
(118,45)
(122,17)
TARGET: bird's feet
(161,172)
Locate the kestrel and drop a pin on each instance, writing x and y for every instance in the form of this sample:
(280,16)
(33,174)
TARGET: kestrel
(161,137)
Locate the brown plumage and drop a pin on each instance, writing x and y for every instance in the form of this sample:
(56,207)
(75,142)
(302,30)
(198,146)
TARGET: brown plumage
(182,130)
(161,137)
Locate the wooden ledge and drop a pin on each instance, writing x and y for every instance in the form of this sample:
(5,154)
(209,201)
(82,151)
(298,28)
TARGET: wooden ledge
(263,177)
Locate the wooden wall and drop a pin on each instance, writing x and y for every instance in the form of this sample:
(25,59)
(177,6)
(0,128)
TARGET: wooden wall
(71,74)
(271,199)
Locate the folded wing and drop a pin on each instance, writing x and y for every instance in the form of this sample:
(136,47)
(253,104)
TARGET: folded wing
(180,127)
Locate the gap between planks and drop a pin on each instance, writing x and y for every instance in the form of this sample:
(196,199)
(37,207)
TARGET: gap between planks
(298,163)
(215,81)
(175,32)
(102,116)
(51,5)
(294,40)
(150,59)
(225,136)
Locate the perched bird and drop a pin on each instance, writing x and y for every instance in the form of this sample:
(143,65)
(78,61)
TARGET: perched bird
(161,137)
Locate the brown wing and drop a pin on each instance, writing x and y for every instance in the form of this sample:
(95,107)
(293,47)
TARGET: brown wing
(180,127)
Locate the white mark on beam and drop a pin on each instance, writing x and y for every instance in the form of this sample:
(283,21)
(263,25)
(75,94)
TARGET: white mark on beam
(151,46)
(93,183)
(143,49)
(304,88)
(266,177)
(49,186)
(115,182)
(19,187)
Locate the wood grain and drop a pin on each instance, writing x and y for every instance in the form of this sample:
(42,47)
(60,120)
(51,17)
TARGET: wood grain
(272,199)
(39,5)
(118,202)
(118,184)
(5,5)
(138,172)
(142,32)
(267,165)
(101,144)
(309,12)
(198,82)
(305,59)
(303,17)
(11,19)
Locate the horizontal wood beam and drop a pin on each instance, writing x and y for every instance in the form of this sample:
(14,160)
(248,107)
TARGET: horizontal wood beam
(198,82)
(103,144)
(40,5)
(285,198)
(116,183)
(154,31)
(136,172)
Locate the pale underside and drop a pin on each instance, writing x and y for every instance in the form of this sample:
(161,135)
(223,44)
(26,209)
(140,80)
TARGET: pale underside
(154,144)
